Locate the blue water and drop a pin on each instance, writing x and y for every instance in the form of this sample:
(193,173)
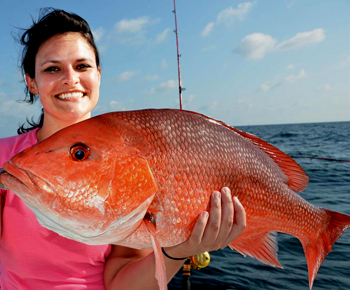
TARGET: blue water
(329,187)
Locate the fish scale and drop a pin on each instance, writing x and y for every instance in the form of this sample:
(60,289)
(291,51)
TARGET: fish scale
(153,172)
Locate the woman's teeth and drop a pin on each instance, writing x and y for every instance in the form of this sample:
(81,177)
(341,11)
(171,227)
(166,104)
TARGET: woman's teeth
(75,95)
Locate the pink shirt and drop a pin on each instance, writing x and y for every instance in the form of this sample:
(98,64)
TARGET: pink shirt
(33,257)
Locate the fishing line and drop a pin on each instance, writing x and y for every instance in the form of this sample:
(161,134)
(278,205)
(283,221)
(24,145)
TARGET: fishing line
(320,158)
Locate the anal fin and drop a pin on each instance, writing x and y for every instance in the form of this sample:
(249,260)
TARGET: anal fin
(263,247)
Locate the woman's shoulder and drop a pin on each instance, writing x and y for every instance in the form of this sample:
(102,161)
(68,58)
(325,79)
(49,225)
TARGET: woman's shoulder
(12,145)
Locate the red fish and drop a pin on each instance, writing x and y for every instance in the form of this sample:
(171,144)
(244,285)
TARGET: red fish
(141,178)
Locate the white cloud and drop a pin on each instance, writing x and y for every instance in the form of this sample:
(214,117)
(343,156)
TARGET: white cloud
(151,78)
(11,108)
(116,106)
(162,36)
(228,16)
(134,31)
(98,33)
(164,64)
(290,67)
(132,25)
(208,29)
(190,98)
(303,39)
(257,45)
(209,48)
(345,62)
(265,87)
(293,78)
(165,86)
(126,76)
(278,81)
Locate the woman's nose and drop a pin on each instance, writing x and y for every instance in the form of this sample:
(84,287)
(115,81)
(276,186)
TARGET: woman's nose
(70,77)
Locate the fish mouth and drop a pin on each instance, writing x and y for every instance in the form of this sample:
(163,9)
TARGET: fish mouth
(26,185)
(2,186)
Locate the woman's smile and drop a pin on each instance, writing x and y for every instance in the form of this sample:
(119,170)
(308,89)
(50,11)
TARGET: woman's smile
(74,96)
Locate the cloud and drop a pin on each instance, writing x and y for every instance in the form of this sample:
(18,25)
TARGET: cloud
(132,25)
(303,39)
(164,64)
(208,29)
(267,86)
(98,33)
(162,36)
(13,110)
(164,87)
(116,106)
(228,16)
(209,48)
(126,76)
(290,67)
(345,62)
(257,45)
(293,78)
(151,78)
(134,31)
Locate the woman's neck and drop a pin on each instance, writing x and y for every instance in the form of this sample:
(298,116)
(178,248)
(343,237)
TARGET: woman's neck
(51,126)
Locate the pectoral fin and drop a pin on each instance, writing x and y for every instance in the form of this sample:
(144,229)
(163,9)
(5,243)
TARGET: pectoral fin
(160,265)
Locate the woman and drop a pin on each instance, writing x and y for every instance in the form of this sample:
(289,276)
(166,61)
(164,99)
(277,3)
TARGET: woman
(61,67)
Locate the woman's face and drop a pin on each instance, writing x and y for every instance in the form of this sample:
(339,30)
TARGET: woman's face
(66,78)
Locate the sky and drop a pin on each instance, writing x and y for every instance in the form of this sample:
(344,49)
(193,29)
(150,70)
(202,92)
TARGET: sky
(244,63)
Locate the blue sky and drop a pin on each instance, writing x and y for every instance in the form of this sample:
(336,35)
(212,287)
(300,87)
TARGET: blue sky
(245,63)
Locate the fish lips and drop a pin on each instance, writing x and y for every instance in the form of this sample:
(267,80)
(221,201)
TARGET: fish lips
(27,186)
(2,171)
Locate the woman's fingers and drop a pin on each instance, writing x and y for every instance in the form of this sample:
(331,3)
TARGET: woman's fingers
(227,214)
(198,229)
(240,221)
(214,223)
(225,221)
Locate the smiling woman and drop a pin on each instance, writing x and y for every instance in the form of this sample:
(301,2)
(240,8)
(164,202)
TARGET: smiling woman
(61,68)
(37,43)
(67,80)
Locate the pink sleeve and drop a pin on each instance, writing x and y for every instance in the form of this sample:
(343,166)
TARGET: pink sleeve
(2,191)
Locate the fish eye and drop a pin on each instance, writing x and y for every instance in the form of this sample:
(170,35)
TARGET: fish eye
(79,152)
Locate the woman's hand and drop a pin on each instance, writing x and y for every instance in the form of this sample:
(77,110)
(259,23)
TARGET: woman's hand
(216,229)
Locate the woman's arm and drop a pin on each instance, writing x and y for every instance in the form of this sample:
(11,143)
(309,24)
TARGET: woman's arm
(135,269)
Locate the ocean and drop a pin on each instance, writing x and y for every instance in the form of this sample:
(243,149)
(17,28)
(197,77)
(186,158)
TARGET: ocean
(329,187)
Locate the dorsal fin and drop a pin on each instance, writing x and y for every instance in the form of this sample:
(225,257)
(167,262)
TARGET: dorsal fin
(297,178)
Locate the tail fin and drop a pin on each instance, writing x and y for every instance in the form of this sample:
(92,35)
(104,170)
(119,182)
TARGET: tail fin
(317,250)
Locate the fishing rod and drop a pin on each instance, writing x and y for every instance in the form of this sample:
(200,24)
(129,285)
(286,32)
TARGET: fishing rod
(178,58)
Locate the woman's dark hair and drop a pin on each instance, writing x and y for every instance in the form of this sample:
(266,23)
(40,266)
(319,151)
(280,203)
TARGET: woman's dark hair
(50,22)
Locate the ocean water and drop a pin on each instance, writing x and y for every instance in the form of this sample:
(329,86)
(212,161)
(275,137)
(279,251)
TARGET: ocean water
(329,187)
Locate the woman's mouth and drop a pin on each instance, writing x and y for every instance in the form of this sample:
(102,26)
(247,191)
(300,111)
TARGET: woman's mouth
(70,96)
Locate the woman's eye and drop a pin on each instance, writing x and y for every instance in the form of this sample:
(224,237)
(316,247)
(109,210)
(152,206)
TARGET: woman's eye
(52,69)
(83,66)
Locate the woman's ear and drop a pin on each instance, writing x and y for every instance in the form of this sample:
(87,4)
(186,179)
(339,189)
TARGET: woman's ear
(31,85)
(99,73)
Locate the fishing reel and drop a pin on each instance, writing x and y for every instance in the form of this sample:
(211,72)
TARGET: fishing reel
(195,262)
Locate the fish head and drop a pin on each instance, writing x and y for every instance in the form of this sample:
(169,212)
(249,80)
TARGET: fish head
(86,182)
